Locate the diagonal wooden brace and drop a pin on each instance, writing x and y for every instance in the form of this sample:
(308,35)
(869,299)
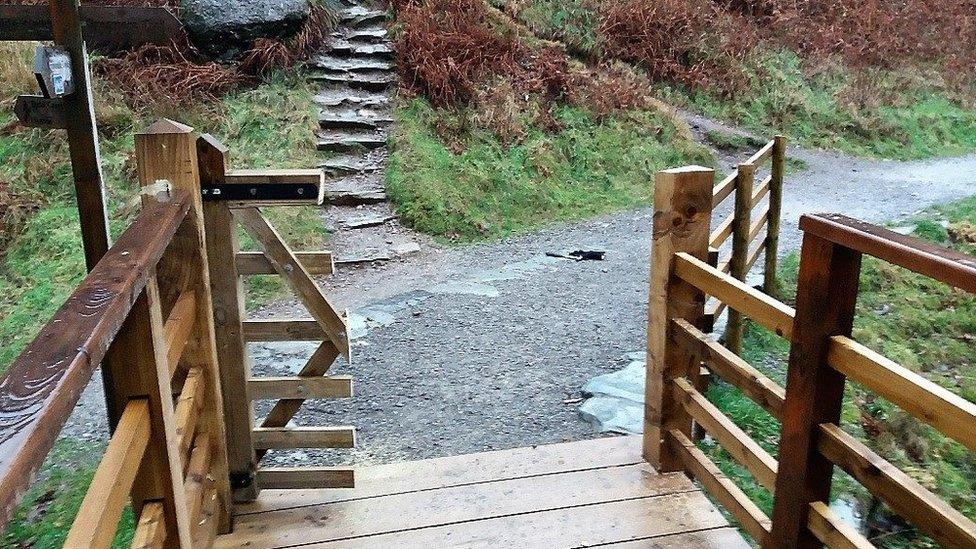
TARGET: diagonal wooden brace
(291,269)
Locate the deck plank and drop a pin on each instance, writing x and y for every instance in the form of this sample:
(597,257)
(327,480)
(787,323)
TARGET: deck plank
(429,474)
(651,519)
(718,538)
(470,502)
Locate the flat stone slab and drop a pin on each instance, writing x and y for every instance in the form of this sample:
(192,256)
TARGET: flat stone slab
(616,402)
(359,15)
(358,63)
(367,220)
(352,164)
(347,141)
(342,46)
(368,80)
(363,119)
(345,96)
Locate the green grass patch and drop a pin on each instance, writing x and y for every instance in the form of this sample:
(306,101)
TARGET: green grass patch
(883,114)
(925,326)
(488,189)
(726,141)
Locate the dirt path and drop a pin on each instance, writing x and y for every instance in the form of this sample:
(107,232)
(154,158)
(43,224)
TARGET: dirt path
(467,349)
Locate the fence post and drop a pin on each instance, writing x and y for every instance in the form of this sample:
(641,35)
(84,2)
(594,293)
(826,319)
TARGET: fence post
(167,150)
(682,215)
(228,313)
(777,175)
(825,299)
(738,264)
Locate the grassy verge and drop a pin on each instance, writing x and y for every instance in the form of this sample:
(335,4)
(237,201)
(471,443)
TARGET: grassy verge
(479,187)
(901,115)
(923,325)
(41,258)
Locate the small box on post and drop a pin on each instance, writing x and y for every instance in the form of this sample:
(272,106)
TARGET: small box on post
(253,188)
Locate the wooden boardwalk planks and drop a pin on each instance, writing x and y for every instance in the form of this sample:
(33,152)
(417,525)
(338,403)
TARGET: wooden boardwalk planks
(581,493)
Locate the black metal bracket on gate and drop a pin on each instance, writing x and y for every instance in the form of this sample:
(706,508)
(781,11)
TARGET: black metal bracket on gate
(267,186)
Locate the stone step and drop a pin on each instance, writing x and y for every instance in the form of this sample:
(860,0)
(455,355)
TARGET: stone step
(362,63)
(348,141)
(352,120)
(348,164)
(342,46)
(359,81)
(361,16)
(344,96)
(341,196)
(362,34)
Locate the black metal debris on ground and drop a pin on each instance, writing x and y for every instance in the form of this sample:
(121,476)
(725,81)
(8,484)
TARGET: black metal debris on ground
(579,255)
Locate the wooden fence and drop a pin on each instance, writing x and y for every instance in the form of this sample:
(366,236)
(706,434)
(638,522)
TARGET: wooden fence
(162,313)
(745,225)
(823,356)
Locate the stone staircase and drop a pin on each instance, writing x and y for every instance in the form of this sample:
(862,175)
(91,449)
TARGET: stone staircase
(356,72)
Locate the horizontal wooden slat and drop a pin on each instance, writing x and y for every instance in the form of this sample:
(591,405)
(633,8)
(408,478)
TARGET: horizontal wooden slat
(832,530)
(151,530)
(255,263)
(734,440)
(290,329)
(312,176)
(187,410)
(907,497)
(914,254)
(99,514)
(299,387)
(933,404)
(758,306)
(721,232)
(178,326)
(758,223)
(730,367)
(297,478)
(720,487)
(761,190)
(724,189)
(42,386)
(304,437)
(762,154)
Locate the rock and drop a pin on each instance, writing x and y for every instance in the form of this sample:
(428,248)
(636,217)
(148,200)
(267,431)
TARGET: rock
(406,248)
(617,401)
(221,28)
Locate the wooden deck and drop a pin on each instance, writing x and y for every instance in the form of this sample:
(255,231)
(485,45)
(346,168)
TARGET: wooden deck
(578,494)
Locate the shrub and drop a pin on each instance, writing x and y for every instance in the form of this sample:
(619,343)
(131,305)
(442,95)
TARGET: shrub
(446,46)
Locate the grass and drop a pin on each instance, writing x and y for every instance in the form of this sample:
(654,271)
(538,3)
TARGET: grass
(41,262)
(923,325)
(487,189)
(726,141)
(898,115)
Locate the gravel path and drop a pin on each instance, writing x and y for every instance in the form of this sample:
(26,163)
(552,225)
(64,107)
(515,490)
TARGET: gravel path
(487,346)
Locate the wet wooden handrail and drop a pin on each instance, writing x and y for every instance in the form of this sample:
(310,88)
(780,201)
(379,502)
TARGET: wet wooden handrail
(44,383)
(914,254)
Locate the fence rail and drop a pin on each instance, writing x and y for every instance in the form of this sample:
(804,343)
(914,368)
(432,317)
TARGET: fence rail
(749,219)
(822,357)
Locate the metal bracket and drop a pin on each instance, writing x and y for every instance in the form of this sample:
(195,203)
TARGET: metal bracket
(264,192)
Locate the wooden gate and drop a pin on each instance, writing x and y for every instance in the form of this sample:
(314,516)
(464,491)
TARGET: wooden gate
(232,198)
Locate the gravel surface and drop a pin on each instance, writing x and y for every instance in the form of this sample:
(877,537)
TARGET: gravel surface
(487,346)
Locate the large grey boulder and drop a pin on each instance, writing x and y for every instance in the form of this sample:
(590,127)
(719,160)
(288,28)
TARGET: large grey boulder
(222,28)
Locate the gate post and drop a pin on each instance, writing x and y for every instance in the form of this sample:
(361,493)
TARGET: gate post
(777,175)
(682,216)
(738,264)
(228,313)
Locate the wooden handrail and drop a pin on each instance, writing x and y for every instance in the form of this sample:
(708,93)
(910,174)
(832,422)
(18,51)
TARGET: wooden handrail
(730,367)
(762,155)
(903,494)
(42,386)
(723,189)
(833,531)
(949,413)
(722,488)
(730,436)
(758,306)
(935,262)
